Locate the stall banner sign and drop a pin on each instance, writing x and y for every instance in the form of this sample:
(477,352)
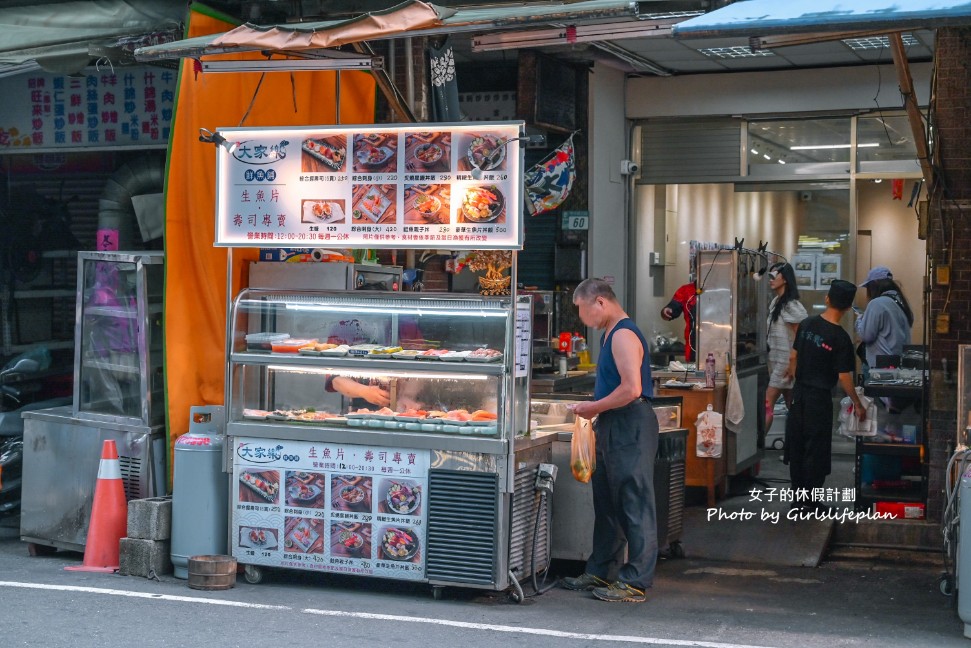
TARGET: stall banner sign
(330,507)
(131,108)
(450,186)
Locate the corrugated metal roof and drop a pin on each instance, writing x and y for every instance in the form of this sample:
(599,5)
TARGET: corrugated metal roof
(767,17)
(55,31)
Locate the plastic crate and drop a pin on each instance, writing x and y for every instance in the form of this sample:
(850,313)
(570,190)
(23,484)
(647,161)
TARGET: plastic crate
(902,510)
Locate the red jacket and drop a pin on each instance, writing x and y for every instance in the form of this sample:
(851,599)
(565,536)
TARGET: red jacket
(683,303)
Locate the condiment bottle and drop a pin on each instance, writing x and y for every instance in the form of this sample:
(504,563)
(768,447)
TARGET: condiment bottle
(710,371)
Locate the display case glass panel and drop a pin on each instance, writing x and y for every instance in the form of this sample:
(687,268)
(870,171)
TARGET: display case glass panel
(118,346)
(433,364)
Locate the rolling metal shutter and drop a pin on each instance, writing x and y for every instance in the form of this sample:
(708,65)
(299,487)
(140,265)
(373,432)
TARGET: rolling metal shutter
(690,151)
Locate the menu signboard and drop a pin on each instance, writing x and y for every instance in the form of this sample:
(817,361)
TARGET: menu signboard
(330,507)
(407,186)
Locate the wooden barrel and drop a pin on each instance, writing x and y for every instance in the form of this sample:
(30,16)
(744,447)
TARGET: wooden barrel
(212,572)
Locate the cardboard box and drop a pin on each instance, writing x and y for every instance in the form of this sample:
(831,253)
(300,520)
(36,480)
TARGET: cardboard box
(901,510)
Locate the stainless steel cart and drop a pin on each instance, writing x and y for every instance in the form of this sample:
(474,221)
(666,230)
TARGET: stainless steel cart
(395,494)
(118,394)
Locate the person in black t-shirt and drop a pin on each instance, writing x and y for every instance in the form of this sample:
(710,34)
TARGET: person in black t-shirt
(822,355)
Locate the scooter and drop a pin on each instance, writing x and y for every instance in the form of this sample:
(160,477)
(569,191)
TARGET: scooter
(14,401)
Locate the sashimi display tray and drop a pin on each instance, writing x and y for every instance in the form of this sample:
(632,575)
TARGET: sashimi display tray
(415,424)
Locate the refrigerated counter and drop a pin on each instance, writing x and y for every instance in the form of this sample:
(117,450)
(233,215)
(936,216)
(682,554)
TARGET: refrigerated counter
(572,524)
(322,480)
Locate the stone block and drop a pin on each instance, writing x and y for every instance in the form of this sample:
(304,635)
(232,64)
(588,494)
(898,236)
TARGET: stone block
(150,518)
(147,558)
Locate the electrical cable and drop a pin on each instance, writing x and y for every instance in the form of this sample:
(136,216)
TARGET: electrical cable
(951,518)
(542,504)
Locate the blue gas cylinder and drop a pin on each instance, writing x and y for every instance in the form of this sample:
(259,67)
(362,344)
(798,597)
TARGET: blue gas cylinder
(200,497)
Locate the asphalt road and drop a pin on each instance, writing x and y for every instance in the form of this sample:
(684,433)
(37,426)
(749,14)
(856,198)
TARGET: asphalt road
(861,599)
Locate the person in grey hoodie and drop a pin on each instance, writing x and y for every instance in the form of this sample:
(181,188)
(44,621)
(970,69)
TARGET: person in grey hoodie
(884,327)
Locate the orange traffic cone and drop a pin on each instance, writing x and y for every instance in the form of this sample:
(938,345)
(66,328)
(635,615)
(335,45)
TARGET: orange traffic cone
(109,516)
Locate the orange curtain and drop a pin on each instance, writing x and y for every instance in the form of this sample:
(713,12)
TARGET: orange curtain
(195,271)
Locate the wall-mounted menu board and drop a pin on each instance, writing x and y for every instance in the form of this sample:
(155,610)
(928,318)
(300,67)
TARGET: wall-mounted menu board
(407,186)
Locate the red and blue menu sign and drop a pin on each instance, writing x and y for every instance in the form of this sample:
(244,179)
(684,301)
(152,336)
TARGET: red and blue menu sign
(419,186)
(130,107)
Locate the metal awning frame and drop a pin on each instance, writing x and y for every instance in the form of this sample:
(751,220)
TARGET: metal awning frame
(461,21)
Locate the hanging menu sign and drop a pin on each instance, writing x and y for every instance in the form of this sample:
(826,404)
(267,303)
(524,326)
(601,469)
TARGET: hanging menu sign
(330,507)
(407,186)
(93,109)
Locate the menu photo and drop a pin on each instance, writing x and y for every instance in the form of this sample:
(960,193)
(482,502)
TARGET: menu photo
(262,538)
(350,540)
(323,211)
(259,486)
(306,489)
(427,204)
(483,151)
(827,270)
(400,497)
(374,204)
(324,154)
(804,266)
(482,204)
(351,493)
(375,153)
(428,151)
(303,535)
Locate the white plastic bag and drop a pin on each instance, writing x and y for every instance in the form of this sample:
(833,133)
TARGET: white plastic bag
(708,428)
(850,425)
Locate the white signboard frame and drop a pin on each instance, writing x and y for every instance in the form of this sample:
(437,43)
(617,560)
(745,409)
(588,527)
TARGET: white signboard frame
(445,186)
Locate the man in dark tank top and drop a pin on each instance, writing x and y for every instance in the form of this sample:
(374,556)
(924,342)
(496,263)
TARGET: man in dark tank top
(626,431)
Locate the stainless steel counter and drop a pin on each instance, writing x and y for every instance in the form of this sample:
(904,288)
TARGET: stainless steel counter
(542,436)
(574,382)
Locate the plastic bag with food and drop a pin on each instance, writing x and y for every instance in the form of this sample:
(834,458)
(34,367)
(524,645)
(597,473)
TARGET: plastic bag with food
(849,425)
(583,450)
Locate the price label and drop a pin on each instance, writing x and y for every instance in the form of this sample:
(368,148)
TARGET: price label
(576,220)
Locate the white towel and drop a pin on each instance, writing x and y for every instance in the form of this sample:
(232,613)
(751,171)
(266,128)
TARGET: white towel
(734,407)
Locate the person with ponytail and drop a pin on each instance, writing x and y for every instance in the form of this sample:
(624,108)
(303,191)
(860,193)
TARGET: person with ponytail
(785,313)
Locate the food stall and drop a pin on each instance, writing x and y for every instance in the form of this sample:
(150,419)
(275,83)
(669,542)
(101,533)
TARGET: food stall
(431,482)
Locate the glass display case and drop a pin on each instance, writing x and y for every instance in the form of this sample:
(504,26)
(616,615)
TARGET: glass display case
(118,338)
(373,433)
(372,366)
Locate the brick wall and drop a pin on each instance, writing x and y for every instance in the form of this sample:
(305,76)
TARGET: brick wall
(948,243)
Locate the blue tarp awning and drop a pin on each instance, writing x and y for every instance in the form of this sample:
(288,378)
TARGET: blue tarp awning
(769,17)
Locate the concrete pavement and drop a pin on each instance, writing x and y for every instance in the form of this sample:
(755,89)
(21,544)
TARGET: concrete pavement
(855,597)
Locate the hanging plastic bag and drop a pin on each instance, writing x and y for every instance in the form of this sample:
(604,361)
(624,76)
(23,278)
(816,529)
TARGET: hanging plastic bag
(850,425)
(734,406)
(583,450)
(708,428)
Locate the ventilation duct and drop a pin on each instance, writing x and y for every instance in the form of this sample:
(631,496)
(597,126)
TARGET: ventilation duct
(133,182)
